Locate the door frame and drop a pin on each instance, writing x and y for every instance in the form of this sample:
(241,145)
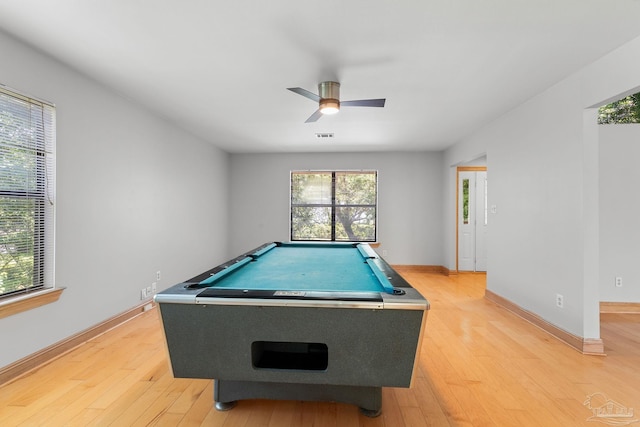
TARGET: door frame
(458,170)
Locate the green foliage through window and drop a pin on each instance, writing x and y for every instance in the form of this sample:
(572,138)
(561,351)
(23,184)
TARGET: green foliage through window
(334,206)
(465,201)
(26,188)
(626,110)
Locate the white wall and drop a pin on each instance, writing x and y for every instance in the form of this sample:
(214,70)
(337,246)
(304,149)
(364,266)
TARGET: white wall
(543,175)
(619,210)
(409,199)
(134,195)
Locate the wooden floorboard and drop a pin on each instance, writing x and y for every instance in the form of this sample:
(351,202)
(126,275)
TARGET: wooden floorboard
(480,365)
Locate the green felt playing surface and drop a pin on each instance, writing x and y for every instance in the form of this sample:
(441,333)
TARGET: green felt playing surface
(305,268)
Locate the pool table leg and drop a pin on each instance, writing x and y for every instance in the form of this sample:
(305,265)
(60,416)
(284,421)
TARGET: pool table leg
(226,406)
(371,413)
(227,392)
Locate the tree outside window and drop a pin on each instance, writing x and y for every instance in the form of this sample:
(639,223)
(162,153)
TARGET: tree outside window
(625,110)
(26,193)
(334,205)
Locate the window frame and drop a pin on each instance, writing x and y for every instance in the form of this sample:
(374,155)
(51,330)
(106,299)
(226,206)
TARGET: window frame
(333,205)
(42,289)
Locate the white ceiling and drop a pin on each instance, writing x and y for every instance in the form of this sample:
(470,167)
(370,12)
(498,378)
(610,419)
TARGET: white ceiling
(220,69)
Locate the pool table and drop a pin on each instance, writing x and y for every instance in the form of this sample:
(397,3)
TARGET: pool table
(296,321)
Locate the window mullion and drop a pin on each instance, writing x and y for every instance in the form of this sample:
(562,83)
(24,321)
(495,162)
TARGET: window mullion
(333,206)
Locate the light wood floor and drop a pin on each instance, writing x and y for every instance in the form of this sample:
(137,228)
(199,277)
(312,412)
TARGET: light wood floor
(479,366)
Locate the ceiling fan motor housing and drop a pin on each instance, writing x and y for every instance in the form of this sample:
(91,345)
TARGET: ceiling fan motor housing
(329,97)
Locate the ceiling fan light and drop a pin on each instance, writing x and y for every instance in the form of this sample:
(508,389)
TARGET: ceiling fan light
(329,106)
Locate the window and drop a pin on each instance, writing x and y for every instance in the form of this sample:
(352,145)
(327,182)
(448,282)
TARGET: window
(625,110)
(27,184)
(334,206)
(465,201)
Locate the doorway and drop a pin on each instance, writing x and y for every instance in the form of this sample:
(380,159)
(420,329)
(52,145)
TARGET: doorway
(471,219)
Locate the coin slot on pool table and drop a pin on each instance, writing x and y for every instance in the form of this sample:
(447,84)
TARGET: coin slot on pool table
(289,355)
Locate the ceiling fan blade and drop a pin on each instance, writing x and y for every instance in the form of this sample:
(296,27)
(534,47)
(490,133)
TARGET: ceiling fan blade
(363,103)
(312,96)
(314,117)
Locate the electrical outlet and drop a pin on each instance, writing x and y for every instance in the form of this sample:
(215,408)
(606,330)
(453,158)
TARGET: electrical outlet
(143,293)
(559,300)
(149,291)
(158,275)
(154,288)
(618,282)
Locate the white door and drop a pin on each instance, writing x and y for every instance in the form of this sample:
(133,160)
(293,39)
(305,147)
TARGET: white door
(472,220)
(466,221)
(481,221)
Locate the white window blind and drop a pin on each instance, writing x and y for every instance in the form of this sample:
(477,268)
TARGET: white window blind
(27,193)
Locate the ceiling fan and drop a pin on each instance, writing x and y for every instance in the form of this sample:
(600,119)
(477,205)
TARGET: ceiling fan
(329,100)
